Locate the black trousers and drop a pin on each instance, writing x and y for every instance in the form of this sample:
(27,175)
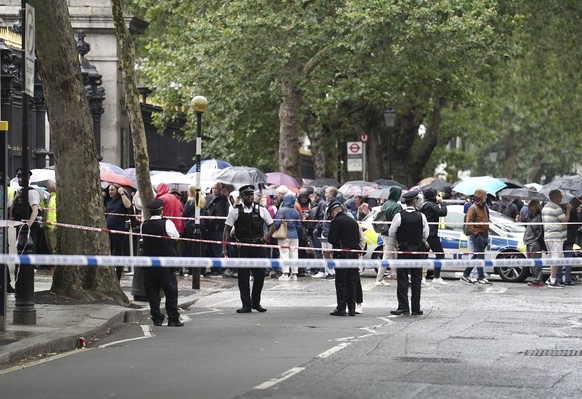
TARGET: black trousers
(346,285)
(436,246)
(155,278)
(415,284)
(244,274)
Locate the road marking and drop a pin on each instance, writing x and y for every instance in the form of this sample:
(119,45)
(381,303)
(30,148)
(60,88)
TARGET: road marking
(495,290)
(147,331)
(331,351)
(46,360)
(273,381)
(386,319)
(212,310)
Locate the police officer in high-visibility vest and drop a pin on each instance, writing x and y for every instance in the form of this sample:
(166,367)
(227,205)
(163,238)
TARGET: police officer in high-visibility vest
(160,277)
(249,220)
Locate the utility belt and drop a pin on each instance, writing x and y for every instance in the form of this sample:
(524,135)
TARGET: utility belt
(411,246)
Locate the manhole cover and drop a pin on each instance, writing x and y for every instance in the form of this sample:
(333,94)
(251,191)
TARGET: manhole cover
(552,352)
(428,360)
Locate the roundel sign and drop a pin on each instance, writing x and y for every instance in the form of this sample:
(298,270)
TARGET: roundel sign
(354,148)
(364,137)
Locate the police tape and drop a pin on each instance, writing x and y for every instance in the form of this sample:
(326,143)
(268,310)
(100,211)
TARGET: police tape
(186,262)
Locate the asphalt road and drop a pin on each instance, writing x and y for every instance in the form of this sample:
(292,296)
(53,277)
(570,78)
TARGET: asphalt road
(503,341)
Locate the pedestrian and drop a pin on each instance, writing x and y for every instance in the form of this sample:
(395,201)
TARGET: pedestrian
(249,219)
(434,208)
(117,206)
(555,229)
(571,238)
(189,223)
(477,224)
(533,238)
(390,208)
(288,245)
(331,195)
(362,208)
(156,232)
(410,229)
(314,228)
(218,211)
(344,233)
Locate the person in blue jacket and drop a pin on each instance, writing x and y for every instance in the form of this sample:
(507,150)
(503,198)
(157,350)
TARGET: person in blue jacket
(288,246)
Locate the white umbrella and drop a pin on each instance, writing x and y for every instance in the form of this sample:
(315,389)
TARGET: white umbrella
(41,176)
(172,179)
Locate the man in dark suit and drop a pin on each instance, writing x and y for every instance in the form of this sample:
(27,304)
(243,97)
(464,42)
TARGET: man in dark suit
(410,229)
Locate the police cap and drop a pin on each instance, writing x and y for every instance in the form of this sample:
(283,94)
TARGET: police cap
(155,205)
(19,172)
(409,196)
(248,188)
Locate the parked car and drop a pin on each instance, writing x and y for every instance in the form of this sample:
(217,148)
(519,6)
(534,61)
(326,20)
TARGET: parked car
(505,241)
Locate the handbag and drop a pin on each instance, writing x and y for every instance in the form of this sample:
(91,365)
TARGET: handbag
(281,232)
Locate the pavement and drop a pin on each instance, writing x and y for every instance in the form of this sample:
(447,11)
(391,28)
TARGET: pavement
(59,326)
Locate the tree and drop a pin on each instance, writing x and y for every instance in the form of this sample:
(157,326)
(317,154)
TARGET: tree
(77,174)
(132,104)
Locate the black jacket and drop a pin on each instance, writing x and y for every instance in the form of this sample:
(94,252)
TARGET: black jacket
(433,212)
(344,233)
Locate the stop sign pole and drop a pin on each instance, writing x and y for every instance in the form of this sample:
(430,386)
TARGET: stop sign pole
(364,139)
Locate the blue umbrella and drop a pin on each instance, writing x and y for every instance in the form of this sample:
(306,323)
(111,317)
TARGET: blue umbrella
(468,186)
(210,164)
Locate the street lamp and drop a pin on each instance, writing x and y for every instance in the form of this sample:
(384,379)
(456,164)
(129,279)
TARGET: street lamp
(390,119)
(493,159)
(199,105)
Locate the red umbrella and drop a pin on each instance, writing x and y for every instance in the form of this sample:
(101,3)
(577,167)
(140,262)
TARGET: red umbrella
(114,178)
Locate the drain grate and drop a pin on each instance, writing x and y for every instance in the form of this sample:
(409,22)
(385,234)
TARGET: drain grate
(428,359)
(552,352)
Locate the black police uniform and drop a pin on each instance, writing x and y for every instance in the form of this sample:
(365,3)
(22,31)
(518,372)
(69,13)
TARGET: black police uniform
(249,228)
(409,237)
(160,277)
(344,234)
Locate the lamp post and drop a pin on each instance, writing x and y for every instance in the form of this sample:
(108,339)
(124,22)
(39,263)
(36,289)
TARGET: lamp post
(199,105)
(493,159)
(390,118)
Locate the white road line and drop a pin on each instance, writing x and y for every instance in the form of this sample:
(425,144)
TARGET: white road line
(46,360)
(185,318)
(495,290)
(287,374)
(331,351)
(212,310)
(386,319)
(147,331)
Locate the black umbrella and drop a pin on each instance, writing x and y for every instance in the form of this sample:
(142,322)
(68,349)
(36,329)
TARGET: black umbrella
(241,175)
(523,193)
(381,193)
(390,183)
(325,182)
(438,185)
(511,183)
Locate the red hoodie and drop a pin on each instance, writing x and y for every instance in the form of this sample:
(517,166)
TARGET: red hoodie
(172,205)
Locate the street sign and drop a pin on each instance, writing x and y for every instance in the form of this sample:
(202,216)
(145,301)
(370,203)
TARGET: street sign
(355,156)
(364,137)
(29,47)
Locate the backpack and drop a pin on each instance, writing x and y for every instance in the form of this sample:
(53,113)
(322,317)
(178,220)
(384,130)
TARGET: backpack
(381,228)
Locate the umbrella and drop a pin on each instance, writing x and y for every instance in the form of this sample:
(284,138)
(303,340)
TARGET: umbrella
(438,185)
(172,179)
(210,164)
(324,182)
(104,166)
(357,187)
(41,176)
(571,183)
(114,178)
(390,183)
(279,178)
(534,186)
(511,183)
(381,193)
(130,173)
(240,175)
(468,186)
(523,193)
(426,180)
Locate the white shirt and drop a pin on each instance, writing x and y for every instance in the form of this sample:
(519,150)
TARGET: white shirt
(233,214)
(398,220)
(170,227)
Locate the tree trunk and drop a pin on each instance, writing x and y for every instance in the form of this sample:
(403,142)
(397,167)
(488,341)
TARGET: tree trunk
(79,200)
(289,130)
(127,67)
(318,152)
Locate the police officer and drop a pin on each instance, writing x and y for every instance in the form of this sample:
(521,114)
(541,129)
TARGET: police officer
(344,234)
(410,229)
(160,277)
(249,220)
